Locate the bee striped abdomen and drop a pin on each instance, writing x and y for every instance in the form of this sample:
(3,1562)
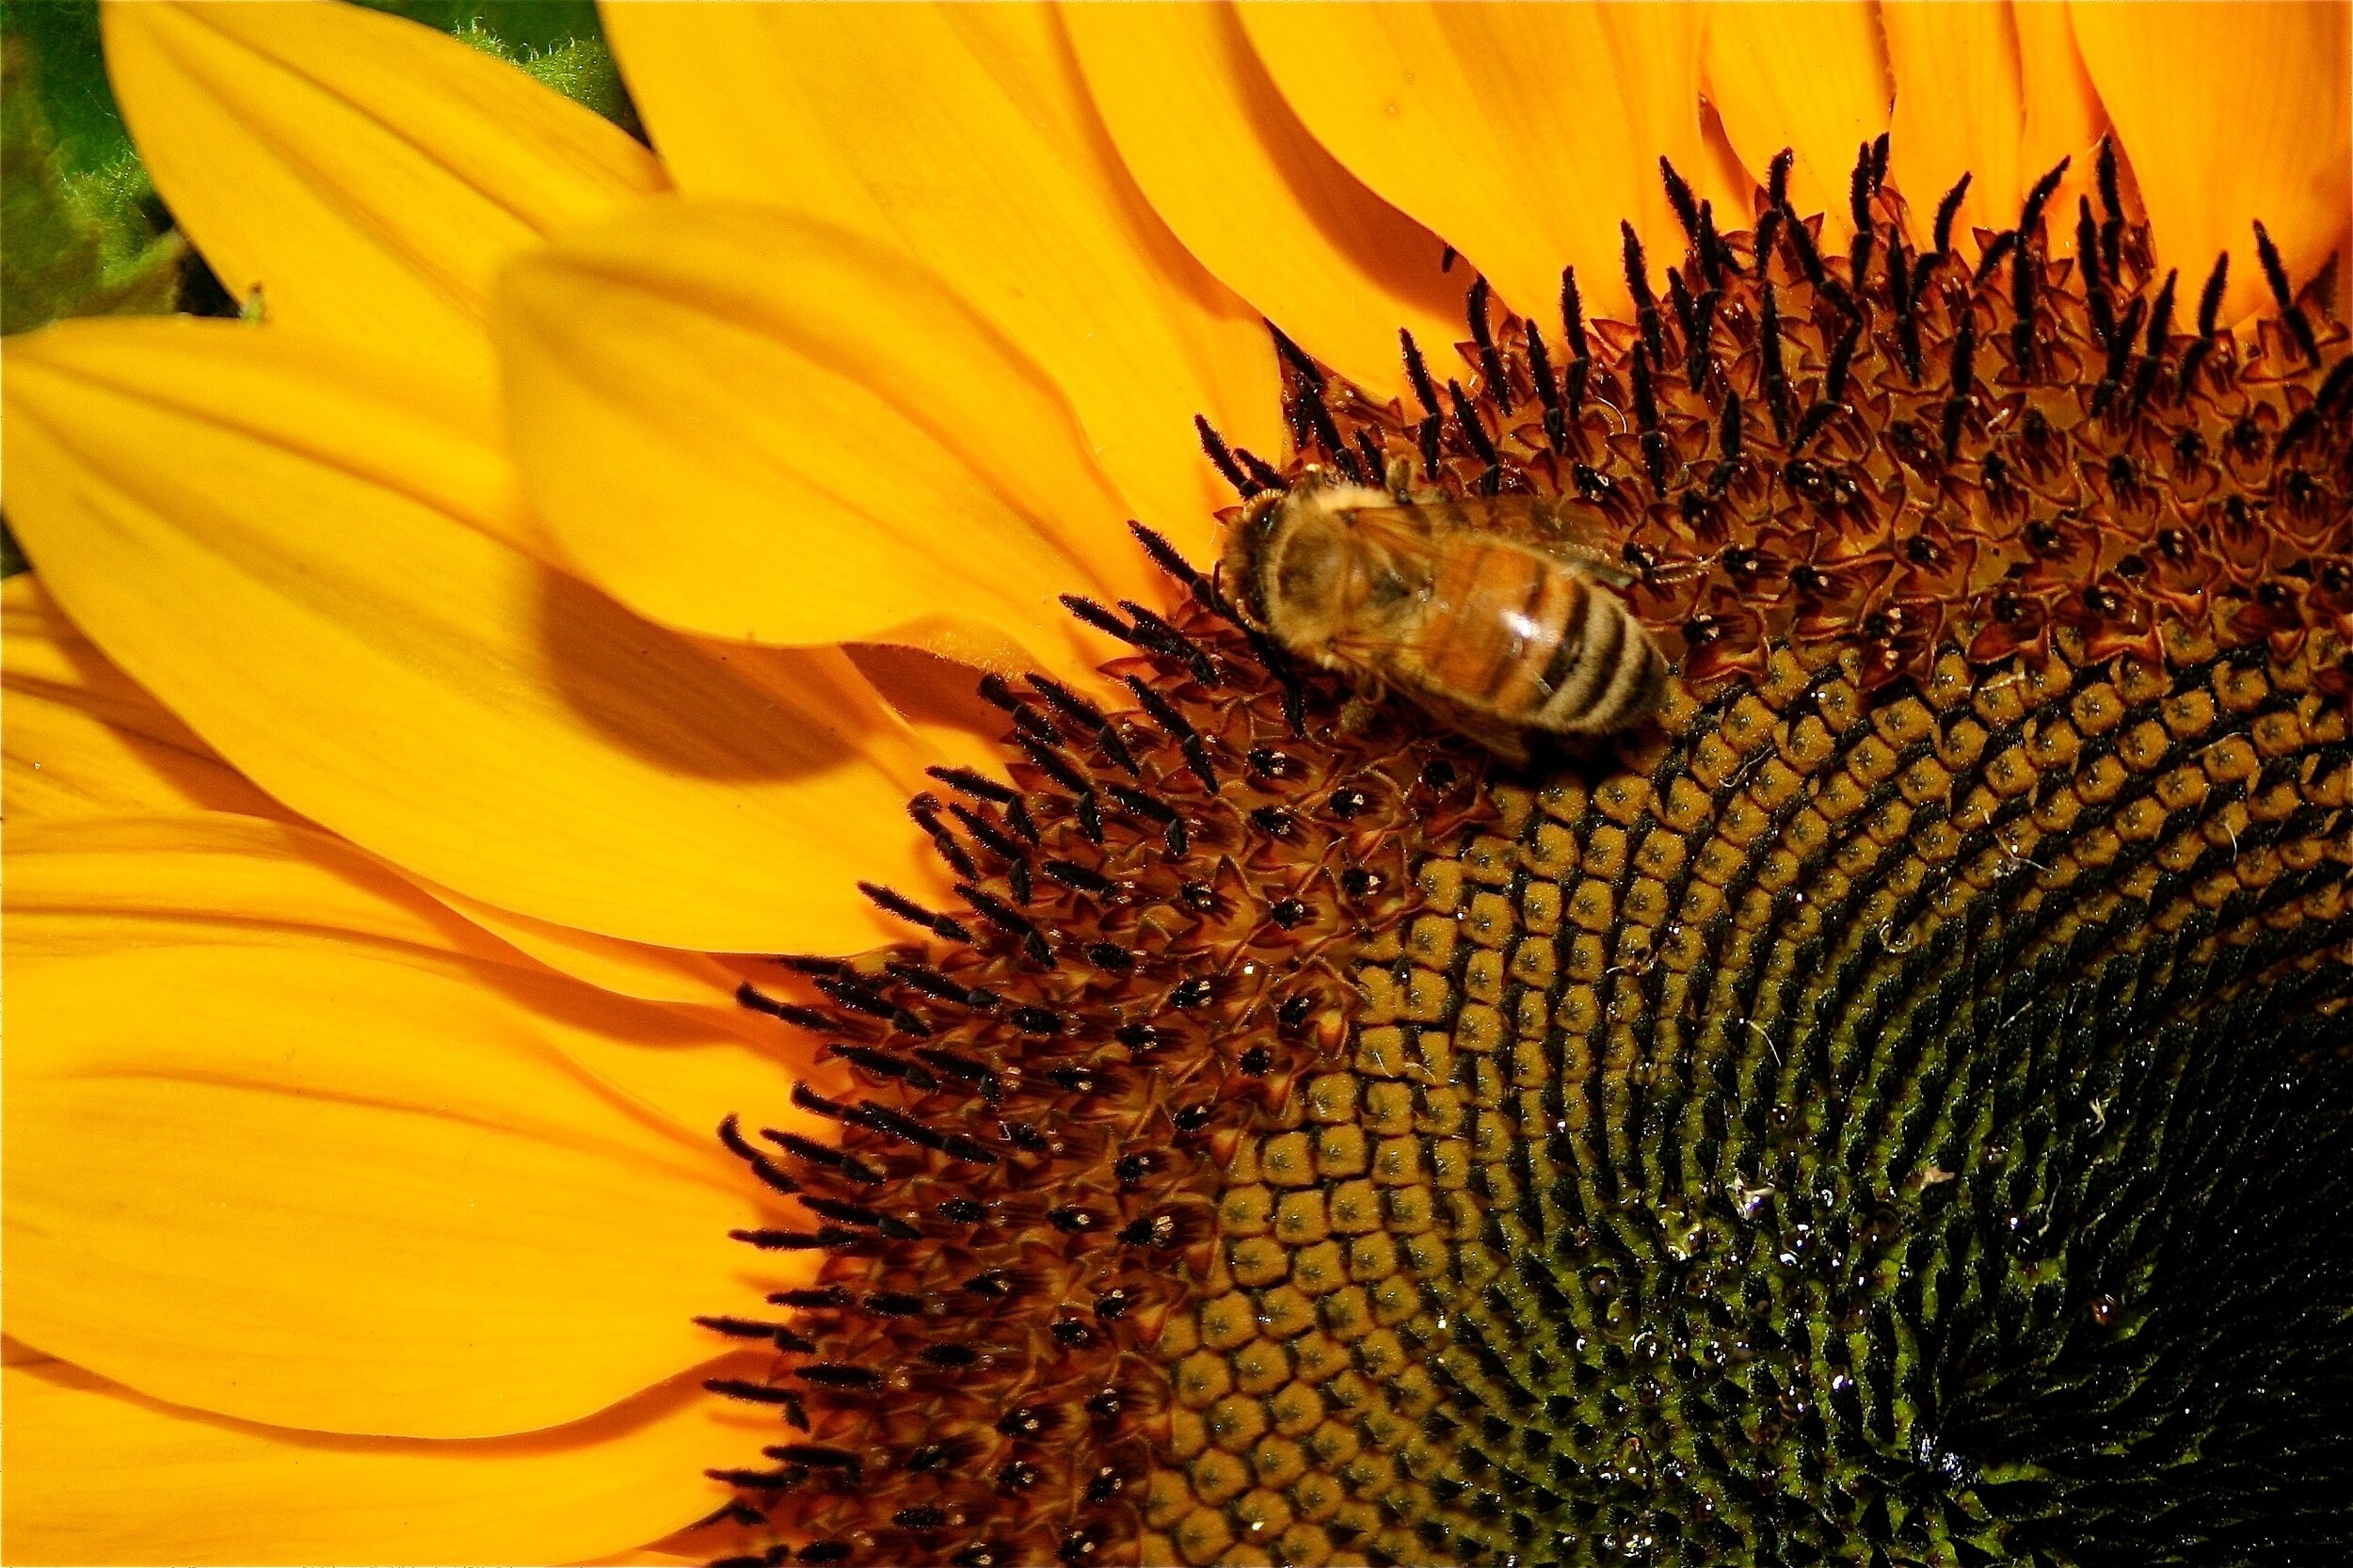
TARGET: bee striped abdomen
(1510,618)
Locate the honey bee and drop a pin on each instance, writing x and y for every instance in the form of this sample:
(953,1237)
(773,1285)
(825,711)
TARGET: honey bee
(1484,611)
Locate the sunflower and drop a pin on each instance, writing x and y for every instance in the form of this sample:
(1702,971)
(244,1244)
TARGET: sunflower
(1893,1107)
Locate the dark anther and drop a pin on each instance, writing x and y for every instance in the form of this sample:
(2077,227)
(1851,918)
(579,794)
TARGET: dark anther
(1426,437)
(1073,1219)
(1139,1039)
(757,1393)
(814,1456)
(1945,211)
(997,694)
(1490,363)
(1315,418)
(1100,619)
(979,786)
(1348,801)
(1272,821)
(1192,1118)
(1294,1012)
(1440,774)
(1182,733)
(1714,260)
(925,810)
(1142,804)
(743,1328)
(1572,319)
(2291,314)
(864,999)
(1695,360)
(1297,358)
(993,839)
(1679,197)
(1996,252)
(1072,1332)
(1078,1080)
(1169,559)
(1646,419)
(1768,233)
(1214,445)
(914,914)
(1197,992)
(1054,766)
(2021,286)
(1809,259)
(1637,283)
(799,1018)
(1368,445)
(932,983)
(883,1064)
(1777,177)
(2209,311)
(1260,469)
(2111,203)
(962,1211)
(2087,257)
(1466,419)
(1859,208)
(816,1104)
(1104,1404)
(1841,361)
(1077,709)
(1964,378)
(838,1374)
(951,1355)
(1257,1061)
(794,1241)
(1035,1020)
(1287,913)
(1419,374)
(2119,354)
(1164,638)
(849,1213)
(1907,317)
(760,1164)
(982,1554)
(922,1518)
(1019,1476)
(1878,161)
(1091,815)
(1768,358)
(2030,214)
(1009,921)
(1079,877)
(1547,391)
(2152,352)
(1820,414)
(899,1124)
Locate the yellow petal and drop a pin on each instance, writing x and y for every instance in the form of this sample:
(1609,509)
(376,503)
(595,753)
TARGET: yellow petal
(2230,114)
(756,425)
(1227,164)
(1521,134)
(218,506)
(626,969)
(81,737)
(367,174)
(966,133)
(350,1194)
(1959,108)
(98,1474)
(1810,75)
(97,884)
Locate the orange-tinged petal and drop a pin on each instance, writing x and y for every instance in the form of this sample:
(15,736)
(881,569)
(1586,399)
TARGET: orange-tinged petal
(2230,114)
(367,174)
(1227,164)
(96,1473)
(1960,108)
(350,1194)
(753,424)
(1810,75)
(966,133)
(2064,115)
(213,504)
(1521,134)
(81,736)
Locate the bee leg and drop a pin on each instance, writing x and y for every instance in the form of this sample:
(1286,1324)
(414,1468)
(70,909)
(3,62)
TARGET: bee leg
(1357,715)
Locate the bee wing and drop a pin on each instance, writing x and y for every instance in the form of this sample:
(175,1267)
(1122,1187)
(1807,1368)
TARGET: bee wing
(1541,523)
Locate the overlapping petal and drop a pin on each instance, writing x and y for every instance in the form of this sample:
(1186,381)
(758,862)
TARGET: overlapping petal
(82,738)
(366,174)
(223,509)
(1810,75)
(335,1190)
(1222,157)
(2232,113)
(759,425)
(1522,134)
(96,1473)
(966,133)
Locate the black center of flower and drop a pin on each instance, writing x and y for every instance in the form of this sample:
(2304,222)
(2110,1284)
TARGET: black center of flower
(1895,1111)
